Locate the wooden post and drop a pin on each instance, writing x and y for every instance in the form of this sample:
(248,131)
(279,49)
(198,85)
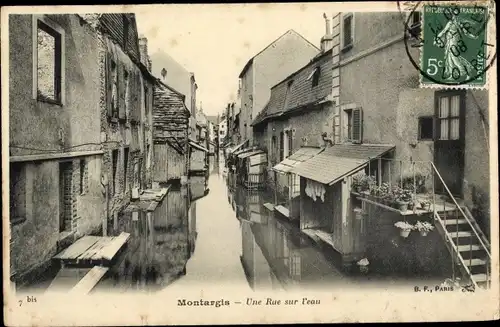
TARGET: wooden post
(106,216)
(389,170)
(414,181)
(401,173)
(379,171)
(275,189)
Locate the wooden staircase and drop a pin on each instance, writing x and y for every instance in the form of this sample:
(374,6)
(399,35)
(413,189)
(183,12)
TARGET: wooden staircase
(468,245)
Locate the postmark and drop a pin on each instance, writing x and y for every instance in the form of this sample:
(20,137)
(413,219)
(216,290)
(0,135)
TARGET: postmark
(453,43)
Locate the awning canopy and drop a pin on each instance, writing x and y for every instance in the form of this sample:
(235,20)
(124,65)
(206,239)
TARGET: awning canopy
(249,154)
(339,161)
(245,150)
(239,146)
(296,158)
(197,146)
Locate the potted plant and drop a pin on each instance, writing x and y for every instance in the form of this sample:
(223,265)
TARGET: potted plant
(404,227)
(425,204)
(384,193)
(363,265)
(403,198)
(362,183)
(424,227)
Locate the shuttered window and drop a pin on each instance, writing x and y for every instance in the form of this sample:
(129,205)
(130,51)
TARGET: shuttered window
(282,145)
(111,86)
(273,149)
(347,28)
(121,91)
(357,125)
(354,125)
(289,140)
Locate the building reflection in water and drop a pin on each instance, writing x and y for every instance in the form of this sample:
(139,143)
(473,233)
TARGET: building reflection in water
(160,244)
(274,253)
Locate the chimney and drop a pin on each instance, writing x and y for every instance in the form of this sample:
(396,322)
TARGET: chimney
(164,74)
(143,50)
(327,39)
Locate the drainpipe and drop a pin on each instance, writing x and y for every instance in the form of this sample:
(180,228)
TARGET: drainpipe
(105,184)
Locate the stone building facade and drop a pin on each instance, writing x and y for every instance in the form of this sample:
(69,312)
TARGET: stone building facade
(126,102)
(279,59)
(56,194)
(395,110)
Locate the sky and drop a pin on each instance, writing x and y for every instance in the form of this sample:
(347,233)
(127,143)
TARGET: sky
(215,41)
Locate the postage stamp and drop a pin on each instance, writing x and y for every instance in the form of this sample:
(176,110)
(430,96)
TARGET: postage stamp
(454,52)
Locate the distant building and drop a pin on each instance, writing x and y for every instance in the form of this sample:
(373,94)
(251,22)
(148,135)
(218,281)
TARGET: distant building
(279,59)
(170,134)
(176,76)
(223,131)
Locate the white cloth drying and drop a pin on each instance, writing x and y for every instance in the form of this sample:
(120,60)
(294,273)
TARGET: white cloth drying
(315,190)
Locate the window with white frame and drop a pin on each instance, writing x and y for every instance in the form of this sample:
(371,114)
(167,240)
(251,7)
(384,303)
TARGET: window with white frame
(347,31)
(48,60)
(353,125)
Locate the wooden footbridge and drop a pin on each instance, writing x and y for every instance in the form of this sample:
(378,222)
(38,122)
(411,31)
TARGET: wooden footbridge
(85,262)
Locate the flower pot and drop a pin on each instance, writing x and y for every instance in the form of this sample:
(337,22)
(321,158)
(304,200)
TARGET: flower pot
(411,205)
(404,233)
(363,269)
(426,207)
(402,206)
(424,232)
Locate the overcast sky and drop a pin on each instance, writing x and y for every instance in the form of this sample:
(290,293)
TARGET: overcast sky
(215,41)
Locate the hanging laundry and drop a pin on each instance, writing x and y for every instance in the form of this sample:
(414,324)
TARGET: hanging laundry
(315,190)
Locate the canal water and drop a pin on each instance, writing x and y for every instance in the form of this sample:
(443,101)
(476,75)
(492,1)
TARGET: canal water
(210,233)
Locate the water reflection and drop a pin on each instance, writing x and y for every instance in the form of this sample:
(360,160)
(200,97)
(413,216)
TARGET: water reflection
(161,241)
(274,252)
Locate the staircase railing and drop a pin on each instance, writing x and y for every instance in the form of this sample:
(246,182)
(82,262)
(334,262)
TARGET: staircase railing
(472,227)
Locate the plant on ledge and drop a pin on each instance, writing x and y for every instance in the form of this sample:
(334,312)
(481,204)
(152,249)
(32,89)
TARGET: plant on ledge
(405,228)
(362,183)
(425,204)
(424,227)
(403,198)
(379,192)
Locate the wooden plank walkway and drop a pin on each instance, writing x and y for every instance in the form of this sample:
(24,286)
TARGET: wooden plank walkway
(89,281)
(269,206)
(89,249)
(282,210)
(317,234)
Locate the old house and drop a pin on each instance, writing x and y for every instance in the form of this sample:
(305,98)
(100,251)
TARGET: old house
(126,101)
(279,59)
(170,134)
(415,143)
(198,158)
(55,153)
(297,121)
(178,77)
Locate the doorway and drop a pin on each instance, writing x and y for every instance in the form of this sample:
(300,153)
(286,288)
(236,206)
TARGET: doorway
(65,195)
(449,143)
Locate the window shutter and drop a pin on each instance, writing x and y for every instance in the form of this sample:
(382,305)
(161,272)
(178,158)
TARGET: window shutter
(109,84)
(121,91)
(357,125)
(137,96)
(132,92)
